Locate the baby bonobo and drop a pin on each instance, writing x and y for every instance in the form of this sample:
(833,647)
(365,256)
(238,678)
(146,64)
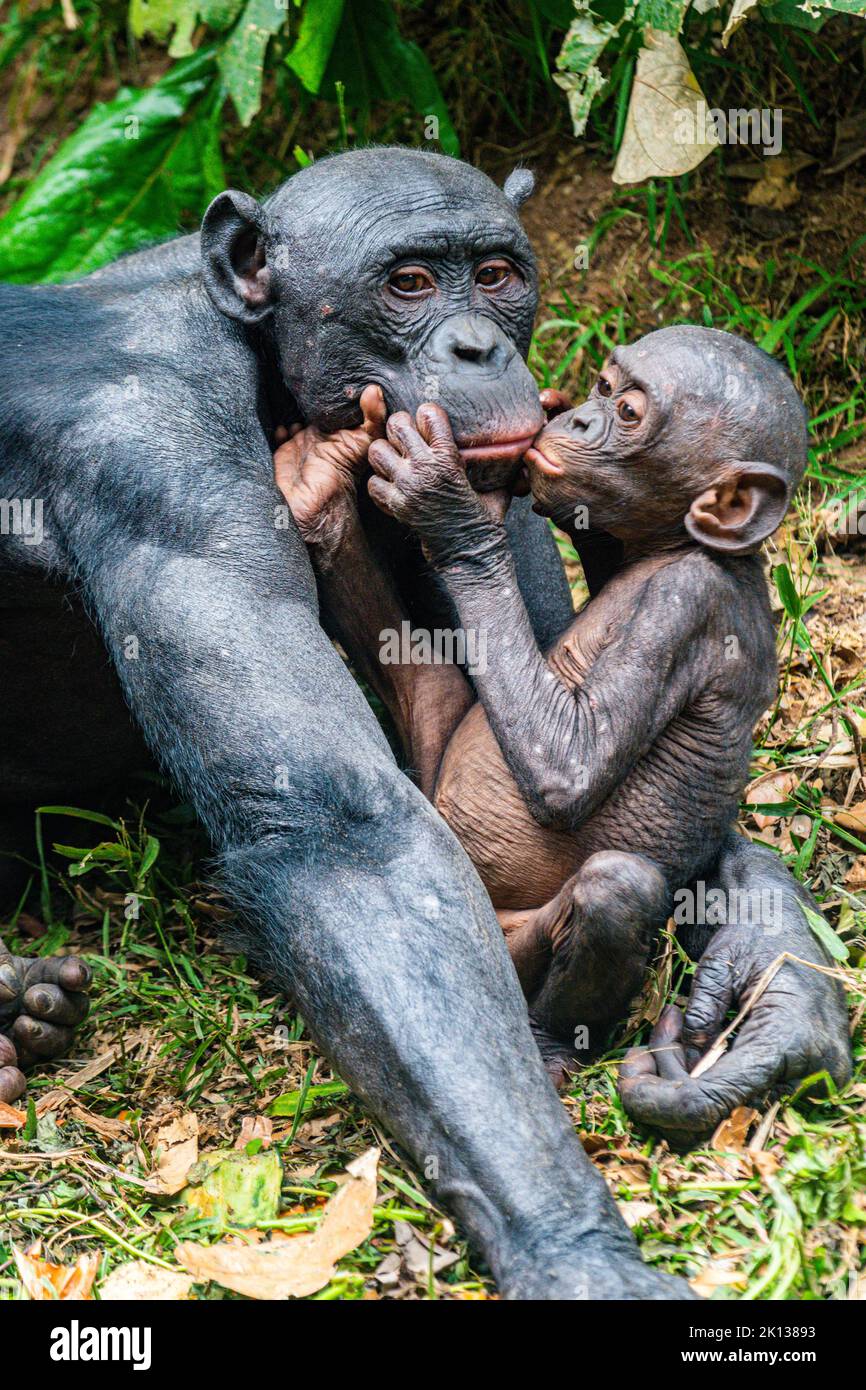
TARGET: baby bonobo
(589,783)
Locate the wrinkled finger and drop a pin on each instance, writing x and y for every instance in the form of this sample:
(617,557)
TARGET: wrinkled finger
(637,1062)
(13,1083)
(386,496)
(387,462)
(434,428)
(667,1047)
(553,402)
(52,1004)
(710,999)
(402,433)
(8,1055)
(33,1038)
(69,972)
(374,411)
(10,983)
(695,1107)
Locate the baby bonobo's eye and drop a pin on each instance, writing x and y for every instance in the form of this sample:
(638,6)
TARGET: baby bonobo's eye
(493,274)
(411,282)
(631,408)
(604,385)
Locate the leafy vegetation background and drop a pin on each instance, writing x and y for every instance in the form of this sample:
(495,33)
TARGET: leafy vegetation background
(121,121)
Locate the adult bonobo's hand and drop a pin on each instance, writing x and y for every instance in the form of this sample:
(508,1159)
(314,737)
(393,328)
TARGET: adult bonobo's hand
(422,482)
(795,1028)
(317,473)
(41,1004)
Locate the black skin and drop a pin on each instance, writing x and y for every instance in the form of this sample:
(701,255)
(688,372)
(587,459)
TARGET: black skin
(140,405)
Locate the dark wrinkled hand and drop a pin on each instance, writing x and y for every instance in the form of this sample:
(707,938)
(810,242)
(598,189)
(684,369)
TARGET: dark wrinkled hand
(796,1028)
(419,479)
(42,1001)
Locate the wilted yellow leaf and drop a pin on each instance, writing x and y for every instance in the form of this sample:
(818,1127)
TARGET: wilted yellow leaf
(666,131)
(45,1281)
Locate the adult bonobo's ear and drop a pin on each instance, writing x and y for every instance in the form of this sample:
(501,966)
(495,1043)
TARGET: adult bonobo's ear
(741,510)
(236,273)
(519,186)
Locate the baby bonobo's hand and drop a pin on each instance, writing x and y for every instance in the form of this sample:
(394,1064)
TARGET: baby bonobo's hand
(317,473)
(419,478)
(42,1001)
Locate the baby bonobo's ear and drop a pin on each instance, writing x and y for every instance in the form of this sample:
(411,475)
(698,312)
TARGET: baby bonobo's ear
(740,510)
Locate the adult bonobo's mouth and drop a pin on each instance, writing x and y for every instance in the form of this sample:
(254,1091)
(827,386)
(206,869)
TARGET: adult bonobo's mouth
(495,450)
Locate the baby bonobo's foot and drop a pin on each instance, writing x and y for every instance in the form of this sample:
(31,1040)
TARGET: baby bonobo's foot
(601,928)
(42,1002)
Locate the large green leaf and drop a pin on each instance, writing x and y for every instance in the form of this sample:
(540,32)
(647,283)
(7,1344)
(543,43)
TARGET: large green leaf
(320,23)
(159,17)
(375,63)
(137,168)
(242,57)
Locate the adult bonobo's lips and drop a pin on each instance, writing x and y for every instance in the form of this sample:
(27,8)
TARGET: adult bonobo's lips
(495,450)
(536,459)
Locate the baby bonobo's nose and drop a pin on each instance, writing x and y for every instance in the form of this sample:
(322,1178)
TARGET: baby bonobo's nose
(586,423)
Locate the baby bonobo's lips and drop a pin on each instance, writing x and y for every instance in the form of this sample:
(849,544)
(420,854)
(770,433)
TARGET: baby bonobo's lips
(536,459)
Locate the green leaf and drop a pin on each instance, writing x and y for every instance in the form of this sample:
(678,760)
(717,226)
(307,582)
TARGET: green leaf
(242,58)
(667,15)
(787,592)
(375,63)
(136,168)
(825,934)
(578,72)
(150,856)
(288,1104)
(308,59)
(159,17)
(96,816)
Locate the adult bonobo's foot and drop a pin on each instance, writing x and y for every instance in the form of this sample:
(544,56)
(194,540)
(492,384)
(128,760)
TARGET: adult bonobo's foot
(12,1079)
(42,1002)
(598,1270)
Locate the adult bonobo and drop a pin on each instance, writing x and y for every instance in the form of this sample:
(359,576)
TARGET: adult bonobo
(138,406)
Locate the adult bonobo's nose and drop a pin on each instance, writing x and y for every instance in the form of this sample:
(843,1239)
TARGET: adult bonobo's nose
(471,342)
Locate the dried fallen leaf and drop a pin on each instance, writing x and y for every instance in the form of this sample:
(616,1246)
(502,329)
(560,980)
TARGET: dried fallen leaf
(854,818)
(633,1213)
(140,1281)
(732,1132)
(45,1281)
(856,876)
(666,128)
(255,1127)
(176,1148)
(718,1274)
(300,1266)
(10,1118)
(739,10)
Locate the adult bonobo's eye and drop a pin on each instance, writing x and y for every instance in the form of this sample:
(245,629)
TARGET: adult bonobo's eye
(493,274)
(604,386)
(411,282)
(632,408)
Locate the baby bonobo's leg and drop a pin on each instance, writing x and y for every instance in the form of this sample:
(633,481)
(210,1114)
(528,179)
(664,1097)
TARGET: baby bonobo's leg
(583,956)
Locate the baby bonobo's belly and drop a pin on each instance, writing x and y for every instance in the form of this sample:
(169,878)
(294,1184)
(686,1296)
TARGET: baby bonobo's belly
(672,806)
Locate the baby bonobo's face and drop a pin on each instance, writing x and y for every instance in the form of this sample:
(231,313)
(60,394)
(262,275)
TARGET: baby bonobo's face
(688,433)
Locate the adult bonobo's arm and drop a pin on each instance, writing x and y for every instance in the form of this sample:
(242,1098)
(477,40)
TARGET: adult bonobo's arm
(567,749)
(360,901)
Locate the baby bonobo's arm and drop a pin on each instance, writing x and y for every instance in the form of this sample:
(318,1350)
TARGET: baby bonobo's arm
(567,749)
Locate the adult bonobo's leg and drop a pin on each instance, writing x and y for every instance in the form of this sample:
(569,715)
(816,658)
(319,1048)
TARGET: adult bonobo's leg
(795,1028)
(358,897)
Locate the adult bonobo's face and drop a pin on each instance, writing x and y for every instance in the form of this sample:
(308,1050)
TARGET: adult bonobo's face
(687,432)
(401,268)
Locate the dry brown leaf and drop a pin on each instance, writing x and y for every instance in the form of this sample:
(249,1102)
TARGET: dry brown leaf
(634,1212)
(176,1149)
(10,1118)
(854,818)
(299,1266)
(771,789)
(143,1282)
(718,1274)
(45,1281)
(855,878)
(665,102)
(100,1124)
(255,1127)
(766,1164)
